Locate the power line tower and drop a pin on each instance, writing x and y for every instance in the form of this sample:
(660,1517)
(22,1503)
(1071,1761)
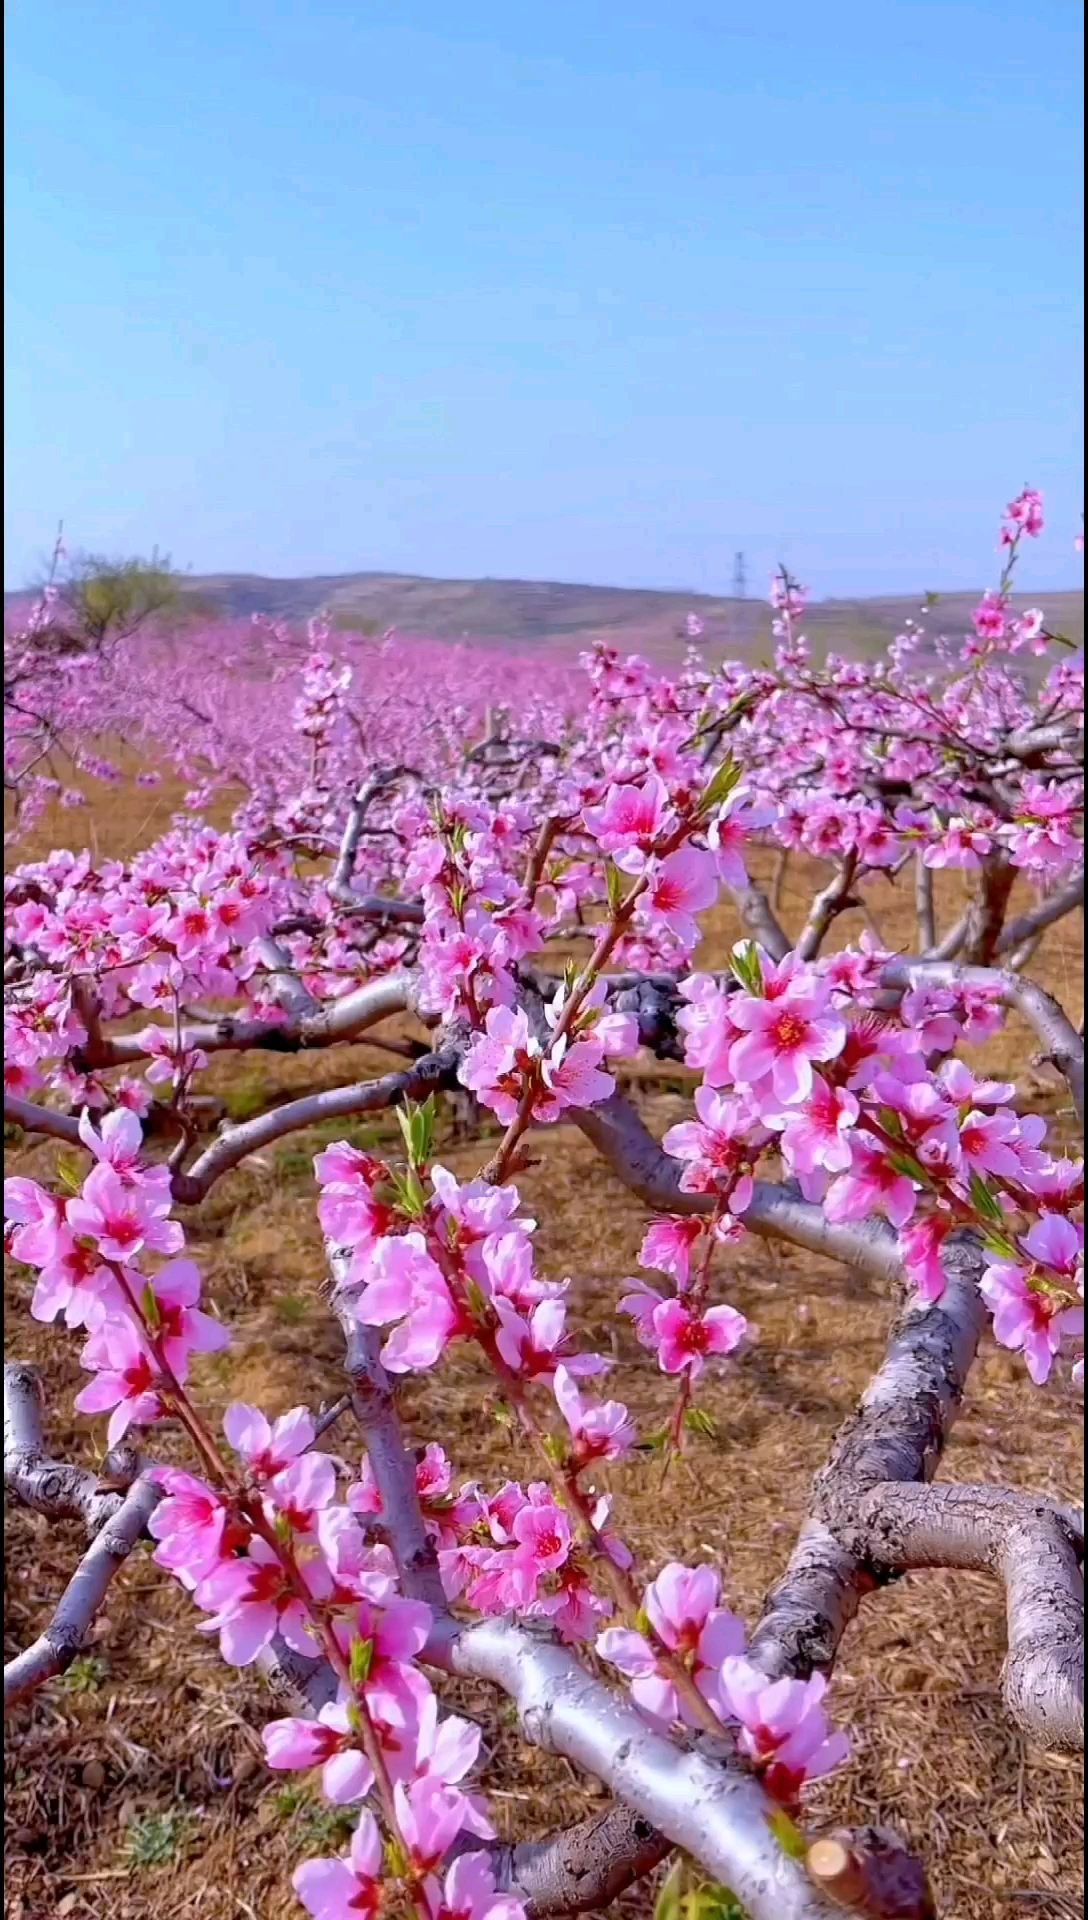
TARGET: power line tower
(738,614)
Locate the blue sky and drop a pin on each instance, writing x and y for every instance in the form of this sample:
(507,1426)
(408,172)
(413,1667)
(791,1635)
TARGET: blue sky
(599,290)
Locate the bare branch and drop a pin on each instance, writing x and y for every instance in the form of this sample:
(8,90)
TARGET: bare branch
(897,1433)
(835,898)
(759,919)
(986,913)
(51,1487)
(1045,915)
(55,1649)
(925,904)
(434,1070)
(35,1119)
(1035,1548)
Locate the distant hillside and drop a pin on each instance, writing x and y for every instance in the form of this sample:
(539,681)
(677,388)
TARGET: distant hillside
(529,613)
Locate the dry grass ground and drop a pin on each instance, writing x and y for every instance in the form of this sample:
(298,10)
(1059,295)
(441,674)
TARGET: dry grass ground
(135,1787)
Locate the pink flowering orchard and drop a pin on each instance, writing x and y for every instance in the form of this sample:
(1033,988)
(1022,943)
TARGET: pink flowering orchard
(531,885)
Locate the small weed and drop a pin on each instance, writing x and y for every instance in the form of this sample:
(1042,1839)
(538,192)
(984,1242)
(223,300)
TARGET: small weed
(319,1828)
(245,1097)
(156,1839)
(292,1309)
(86,1674)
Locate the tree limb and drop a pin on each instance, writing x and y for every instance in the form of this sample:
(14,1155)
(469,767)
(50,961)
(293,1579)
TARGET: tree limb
(1035,1548)
(55,1649)
(702,1799)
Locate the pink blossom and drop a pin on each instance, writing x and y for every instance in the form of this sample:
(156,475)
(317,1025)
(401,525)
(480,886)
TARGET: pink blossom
(686,1339)
(468,1892)
(405,1285)
(430,1817)
(871,1186)
(326,1742)
(252,1599)
(267,1447)
(684,1611)
(572,1077)
(922,1244)
(784,1730)
(681,885)
(600,1431)
(782,1038)
(189,1523)
(126,1379)
(819,1136)
(122,1218)
(630,821)
(345,1888)
(668,1243)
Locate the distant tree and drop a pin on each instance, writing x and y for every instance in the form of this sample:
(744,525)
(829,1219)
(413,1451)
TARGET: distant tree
(100,600)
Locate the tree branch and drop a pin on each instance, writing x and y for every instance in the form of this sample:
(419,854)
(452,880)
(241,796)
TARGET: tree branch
(1036,1549)
(776,1212)
(51,1487)
(759,919)
(1045,915)
(897,1433)
(432,1071)
(701,1799)
(55,1649)
(826,908)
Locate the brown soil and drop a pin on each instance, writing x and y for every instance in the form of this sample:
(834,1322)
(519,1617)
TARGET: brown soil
(135,1787)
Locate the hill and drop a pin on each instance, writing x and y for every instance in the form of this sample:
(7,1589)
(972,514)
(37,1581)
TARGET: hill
(552,613)
(542,612)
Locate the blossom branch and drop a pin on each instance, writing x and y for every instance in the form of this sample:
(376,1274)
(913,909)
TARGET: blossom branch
(703,1801)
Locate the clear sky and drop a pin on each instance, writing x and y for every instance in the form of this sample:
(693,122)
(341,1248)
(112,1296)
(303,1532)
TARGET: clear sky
(590,290)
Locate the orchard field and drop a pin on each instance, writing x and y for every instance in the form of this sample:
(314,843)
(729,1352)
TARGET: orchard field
(621,831)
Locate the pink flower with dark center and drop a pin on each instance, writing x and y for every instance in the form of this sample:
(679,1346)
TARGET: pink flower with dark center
(124,1219)
(346,1888)
(668,1244)
(599,1430)
(630,821)
(268,1447)
(468,1892)
(126,1379)
(784,1731)
(327,1742)
(189,1523)
(683,884)
(685,1340)
(782,1039)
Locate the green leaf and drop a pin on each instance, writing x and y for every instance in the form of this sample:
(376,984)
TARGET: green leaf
(69,1173)
(614,880)
(360,1661)
(668,1905)
(788,1834)
(747,967)
(697,1420)
(150,1306)
(721,785)
(986,1204)
(1000,1246)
